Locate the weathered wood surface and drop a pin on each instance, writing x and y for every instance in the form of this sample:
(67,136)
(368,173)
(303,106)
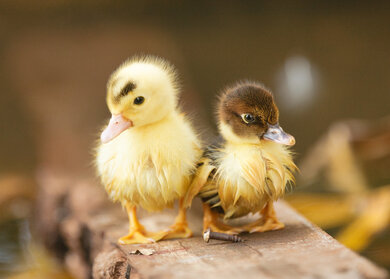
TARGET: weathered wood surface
(81,225)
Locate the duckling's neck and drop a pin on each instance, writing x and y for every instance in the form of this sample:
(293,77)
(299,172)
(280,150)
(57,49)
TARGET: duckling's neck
(231,138)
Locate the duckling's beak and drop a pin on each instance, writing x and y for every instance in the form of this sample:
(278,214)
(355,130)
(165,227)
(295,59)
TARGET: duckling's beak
(117,125)
(276,134)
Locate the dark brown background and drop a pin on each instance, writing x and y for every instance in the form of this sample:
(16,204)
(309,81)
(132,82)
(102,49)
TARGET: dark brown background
(57,55)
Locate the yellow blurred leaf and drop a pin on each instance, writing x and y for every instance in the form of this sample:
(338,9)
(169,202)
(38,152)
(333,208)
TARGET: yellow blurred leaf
(43,266)
(374,218)
(324,210)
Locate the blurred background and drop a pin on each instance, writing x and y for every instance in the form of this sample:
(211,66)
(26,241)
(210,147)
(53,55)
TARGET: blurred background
(328,64)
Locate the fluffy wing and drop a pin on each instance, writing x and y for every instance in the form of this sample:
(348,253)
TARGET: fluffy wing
(199,180)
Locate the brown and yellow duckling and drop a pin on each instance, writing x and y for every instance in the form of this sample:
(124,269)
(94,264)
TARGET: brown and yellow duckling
(148,151)
(250,167)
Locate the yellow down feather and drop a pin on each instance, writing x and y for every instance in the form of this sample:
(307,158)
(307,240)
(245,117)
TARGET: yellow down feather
(249,175)
(152,163)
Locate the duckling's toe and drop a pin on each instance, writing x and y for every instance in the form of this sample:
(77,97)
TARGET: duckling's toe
(218,226)
(141,237)
(268,225)
(178,230)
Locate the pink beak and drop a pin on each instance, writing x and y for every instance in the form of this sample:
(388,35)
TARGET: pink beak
(117,125)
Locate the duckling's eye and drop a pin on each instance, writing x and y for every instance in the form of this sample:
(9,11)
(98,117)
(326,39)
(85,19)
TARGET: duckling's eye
(248,118)
(139,100)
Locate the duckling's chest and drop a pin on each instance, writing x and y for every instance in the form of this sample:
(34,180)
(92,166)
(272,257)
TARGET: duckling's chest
(128,159)
(248,176)
(151,171)
(241,172)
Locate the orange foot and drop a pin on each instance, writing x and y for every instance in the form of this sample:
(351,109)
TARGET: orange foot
(264,226)
(178,230)
(141,236)
(211,221)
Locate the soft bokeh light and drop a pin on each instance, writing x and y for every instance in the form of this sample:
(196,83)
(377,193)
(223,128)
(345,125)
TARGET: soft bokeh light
(297,83)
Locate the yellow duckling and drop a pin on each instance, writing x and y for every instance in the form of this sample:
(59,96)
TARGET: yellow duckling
(148,151)
(249,169)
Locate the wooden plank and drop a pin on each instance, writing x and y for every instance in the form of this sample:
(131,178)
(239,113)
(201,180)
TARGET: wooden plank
(91,226)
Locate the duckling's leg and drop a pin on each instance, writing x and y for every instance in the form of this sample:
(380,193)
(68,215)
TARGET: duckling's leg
(210,220)
(180,228)
(137,233)
(268,221)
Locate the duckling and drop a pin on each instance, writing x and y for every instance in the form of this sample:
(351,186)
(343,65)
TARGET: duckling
(149,150)
(250,167)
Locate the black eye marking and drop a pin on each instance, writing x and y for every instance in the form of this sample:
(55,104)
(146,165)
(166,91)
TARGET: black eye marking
(248,118)
(139,100)
(125,90)
(128,88)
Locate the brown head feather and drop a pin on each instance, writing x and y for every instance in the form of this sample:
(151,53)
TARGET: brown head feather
(248,98)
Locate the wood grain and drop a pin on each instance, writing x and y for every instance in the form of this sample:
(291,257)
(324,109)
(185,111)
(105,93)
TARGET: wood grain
(85,239)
